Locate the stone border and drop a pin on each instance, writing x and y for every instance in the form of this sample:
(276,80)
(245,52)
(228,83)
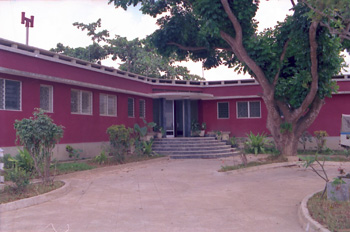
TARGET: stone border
(23,203)
(305,219)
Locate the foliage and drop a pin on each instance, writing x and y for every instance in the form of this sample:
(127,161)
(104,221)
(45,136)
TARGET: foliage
(24,161)
(8,161)
(334,215)
(102,158)
(286,127)
(195,127)
(204,126)
(63,168)
(147,148)
(39,135)
(138,56)
(293,62)
(232,141)
(218,135)
(305,137)
(142,131)
(320,137)
(308,163)
(256,143)
(119,138)
(20,178)
(73,153)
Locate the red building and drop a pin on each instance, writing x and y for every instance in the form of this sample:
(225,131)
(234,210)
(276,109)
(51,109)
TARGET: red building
(87,98)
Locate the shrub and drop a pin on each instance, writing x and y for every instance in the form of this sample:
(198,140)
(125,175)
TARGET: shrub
(73,153)
(320,137)
(101,159)
(256,143)
(20,178)
(8,161)
(24,161)
(304,139)
(39,135)
(119,138)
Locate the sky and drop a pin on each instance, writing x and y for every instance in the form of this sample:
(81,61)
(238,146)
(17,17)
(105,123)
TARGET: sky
(53,21)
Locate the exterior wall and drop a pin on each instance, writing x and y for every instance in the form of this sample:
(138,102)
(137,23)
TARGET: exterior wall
(33,67)
(239,127)
(78,128)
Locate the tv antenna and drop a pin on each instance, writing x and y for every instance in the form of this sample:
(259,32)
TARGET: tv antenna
(29,22)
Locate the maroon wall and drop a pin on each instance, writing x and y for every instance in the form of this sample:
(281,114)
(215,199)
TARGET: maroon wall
(78,128)
(239,127)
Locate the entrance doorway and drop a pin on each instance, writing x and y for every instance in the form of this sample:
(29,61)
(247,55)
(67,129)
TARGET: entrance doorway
(174,118)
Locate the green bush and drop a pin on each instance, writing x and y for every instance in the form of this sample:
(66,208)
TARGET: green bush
(101,159)
(256,143)
(39,136)
(8,161)
(24,161)
(320,137)
(20,178)
(73,153)
(120,141)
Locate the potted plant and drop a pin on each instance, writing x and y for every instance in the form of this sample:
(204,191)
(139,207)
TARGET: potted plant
(195,128)
(159,132)
(203,128)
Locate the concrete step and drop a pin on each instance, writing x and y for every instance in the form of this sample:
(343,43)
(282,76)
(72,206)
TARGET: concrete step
(191,148)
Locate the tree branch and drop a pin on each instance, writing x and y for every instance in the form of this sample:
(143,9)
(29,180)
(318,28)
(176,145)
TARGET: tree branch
(196,48)
(237,46)
(293,3)
(314,73)
(281,60)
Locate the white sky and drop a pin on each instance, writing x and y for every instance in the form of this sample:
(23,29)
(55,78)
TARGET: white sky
(54,18)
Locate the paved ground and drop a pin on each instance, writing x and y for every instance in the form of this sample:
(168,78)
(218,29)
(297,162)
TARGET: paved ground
(172,195)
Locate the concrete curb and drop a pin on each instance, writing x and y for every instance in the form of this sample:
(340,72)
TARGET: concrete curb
(305,219)
(23,203)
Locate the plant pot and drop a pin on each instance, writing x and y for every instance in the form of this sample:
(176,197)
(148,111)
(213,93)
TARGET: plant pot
(202,133)
(159,135)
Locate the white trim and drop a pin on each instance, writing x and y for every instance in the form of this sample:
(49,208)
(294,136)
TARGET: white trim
(228,110)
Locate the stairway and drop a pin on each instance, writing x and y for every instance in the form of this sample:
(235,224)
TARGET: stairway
(192,148)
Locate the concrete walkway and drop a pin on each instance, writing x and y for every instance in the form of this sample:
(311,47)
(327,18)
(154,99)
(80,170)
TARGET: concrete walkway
(173,195)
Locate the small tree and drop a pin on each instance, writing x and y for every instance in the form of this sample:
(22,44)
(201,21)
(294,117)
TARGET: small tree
(39,135)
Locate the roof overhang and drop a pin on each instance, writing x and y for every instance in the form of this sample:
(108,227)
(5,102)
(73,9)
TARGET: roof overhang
(183,95)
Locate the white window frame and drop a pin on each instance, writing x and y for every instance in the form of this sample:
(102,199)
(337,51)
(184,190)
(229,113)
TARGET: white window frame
(142,109)
(107,105)
(228,110)
(249,116)
(50,110)
(4,95)
(133,108)
(80,102)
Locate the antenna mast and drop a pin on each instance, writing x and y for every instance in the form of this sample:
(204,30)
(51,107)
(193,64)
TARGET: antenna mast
(29,22)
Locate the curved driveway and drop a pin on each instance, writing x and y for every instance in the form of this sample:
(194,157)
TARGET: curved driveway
(172,195)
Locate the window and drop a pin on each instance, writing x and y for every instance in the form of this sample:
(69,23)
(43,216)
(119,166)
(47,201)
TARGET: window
(142,111)
(81,102)
(131,110)
(10,95)
(248,109)
(46,99)
(108,105)
(223,110)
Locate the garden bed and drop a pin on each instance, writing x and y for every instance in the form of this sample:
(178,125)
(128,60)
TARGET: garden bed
(334,215)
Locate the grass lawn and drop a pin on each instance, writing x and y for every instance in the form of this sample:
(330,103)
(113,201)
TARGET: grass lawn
(334,215)
(9,195)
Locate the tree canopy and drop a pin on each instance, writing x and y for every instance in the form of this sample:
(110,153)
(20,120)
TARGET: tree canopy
(138,56)
(293,62)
